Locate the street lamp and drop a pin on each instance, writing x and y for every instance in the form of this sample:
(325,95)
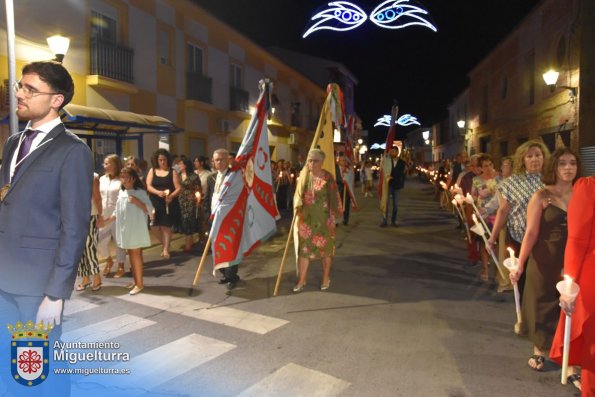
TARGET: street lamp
(59,46)
(551,78)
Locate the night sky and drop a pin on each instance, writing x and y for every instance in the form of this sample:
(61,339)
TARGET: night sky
(422,69)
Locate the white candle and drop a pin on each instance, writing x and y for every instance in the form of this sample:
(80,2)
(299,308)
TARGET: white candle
(511,252)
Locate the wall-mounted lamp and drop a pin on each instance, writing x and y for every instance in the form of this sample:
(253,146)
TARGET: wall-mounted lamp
(59,46)
(551,78)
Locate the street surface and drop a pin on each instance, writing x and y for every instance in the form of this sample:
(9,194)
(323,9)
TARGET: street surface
(402,317)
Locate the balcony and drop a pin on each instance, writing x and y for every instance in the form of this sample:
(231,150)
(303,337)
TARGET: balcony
(111,60)
(238,99)
(199,87)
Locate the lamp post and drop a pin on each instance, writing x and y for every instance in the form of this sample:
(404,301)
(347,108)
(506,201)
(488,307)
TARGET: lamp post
(551,79)
(59,46)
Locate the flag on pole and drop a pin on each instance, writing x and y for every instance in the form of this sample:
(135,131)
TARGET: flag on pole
(383,178)
(246,212)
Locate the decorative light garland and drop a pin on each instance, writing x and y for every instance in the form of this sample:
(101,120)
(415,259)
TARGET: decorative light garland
(405,120)
(390,14)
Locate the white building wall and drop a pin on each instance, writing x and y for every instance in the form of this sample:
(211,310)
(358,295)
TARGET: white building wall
(143,39)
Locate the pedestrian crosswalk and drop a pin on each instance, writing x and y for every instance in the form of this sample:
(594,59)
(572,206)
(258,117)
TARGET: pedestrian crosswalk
(152,369)
(230,317)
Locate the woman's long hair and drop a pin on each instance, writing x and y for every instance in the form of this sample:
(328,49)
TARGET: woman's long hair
(550,173)
(137,183)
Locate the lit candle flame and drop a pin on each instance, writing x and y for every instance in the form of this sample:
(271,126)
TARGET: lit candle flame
(166,192)
(511,252)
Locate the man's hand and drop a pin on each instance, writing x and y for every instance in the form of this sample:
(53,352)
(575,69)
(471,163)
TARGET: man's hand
(49,311)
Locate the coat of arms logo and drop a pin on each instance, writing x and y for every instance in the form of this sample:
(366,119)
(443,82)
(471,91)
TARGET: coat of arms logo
(29,353)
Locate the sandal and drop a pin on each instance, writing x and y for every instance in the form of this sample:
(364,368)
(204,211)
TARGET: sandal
(82,286)
(575,380)
(120,271)
(108,268)
(539,362)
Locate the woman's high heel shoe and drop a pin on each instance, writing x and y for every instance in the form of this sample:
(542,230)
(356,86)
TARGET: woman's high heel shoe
(324,287)
(299,288)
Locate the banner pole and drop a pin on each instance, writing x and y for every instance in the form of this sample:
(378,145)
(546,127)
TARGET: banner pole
(278,283)
(202,260)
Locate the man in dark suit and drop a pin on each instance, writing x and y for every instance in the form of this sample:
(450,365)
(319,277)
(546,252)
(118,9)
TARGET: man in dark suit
(46,183)
(395,169)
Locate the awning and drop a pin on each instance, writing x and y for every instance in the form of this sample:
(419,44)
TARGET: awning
(78,117)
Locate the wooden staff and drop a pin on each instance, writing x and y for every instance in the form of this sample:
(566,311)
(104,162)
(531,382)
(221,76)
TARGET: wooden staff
(276,292)
(202,260)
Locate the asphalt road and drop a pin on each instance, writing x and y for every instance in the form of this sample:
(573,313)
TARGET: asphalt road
(403,317)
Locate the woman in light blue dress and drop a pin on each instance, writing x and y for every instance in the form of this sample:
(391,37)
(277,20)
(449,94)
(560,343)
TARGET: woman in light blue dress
(132,232)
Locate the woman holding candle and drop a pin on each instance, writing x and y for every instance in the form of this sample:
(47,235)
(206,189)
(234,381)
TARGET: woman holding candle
(163,184)
(579,264)
(484,187)
(189,202)
(542,251)
(516,191)
(317,204)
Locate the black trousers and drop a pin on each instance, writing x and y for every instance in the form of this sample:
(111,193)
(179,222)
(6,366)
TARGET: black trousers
(230,274)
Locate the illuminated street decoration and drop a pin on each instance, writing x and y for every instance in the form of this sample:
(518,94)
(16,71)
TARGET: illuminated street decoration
(343,13)
(405,121)
(390,14)
(399,14)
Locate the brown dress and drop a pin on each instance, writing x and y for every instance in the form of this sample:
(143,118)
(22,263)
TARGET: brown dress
(541,309)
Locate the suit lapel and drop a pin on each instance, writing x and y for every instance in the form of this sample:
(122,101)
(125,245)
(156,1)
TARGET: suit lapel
(34,155)
(10,151)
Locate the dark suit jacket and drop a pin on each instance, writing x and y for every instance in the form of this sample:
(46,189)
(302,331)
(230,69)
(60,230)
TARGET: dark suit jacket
(44,218)
(398,173)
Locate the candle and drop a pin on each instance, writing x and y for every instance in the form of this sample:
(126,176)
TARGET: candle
(568,291)
(511,252)
(166,191)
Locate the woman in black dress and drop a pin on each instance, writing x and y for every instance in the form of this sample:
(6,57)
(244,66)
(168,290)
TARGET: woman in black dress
(163,185)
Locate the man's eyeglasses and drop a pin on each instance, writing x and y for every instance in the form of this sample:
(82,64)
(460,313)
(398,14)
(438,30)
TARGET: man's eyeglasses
(29,92)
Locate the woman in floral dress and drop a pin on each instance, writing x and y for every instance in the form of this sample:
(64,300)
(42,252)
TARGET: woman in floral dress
(317,206)
(189,201)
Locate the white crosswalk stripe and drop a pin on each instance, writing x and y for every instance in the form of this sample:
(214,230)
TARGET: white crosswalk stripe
(229,317)
(160,365)
(73,306)
(154,368)
(296,381)
(107,329)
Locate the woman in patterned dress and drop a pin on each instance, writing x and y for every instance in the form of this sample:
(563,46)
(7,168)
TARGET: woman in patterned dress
(189,203)
(515,193)
(317,206)
(89,265)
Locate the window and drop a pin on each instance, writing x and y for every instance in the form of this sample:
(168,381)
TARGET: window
(503,87)
(104,27)
(195,59)
(235,76)
(530,77)
(164,48)
(483,118)
(504,148)
(561,51)
(484,144)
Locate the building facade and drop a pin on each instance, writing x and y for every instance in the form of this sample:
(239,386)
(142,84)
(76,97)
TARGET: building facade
(166,58)
(508,100)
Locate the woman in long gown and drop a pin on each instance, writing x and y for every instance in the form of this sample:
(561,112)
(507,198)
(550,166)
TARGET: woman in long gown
(317,205)
(543,251)
(579,264)
(189,203)
(163,185)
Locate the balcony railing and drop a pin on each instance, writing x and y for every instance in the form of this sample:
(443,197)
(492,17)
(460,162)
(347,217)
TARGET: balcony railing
(111,60)
(238,99)
(199,87)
